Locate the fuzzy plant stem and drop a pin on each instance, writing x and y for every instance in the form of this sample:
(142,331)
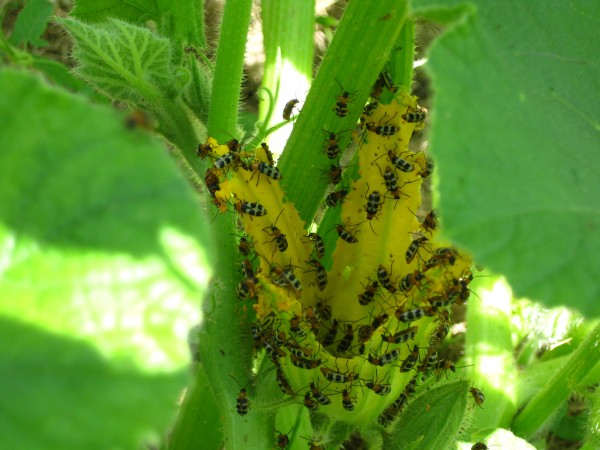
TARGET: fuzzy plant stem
(557,390)
(222,339)
(223,354)
(223,115)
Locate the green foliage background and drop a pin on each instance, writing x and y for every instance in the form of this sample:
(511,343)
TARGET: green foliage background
(515,131)
(103,266)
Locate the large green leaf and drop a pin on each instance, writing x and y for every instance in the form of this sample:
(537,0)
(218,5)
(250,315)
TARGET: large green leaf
(59,393)
(515,130)
(104,263)
(31,23)
(181,20)
(124,61)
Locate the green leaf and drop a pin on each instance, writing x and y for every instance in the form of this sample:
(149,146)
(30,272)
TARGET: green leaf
(131,64)
(197,93)
(31,23)
(134,11)
(515,131)
(433,418)
(181,20)
(123,61)
(547,401)
(59,393)
(104,261)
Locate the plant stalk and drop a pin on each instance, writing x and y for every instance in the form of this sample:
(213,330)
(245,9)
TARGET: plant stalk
(548,400)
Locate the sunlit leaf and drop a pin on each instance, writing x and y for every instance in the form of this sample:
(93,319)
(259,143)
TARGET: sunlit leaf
(515,131)
(103,266)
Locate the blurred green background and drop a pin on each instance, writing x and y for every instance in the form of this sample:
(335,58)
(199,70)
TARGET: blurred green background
(103,266)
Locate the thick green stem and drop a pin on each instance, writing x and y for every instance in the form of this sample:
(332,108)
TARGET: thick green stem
(225,352)
(225,349)
(225,344)
(557,390)
(288,36)
(223,116)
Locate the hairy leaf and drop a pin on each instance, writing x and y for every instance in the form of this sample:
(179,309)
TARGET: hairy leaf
(515,131)
(433,418)
(124,61)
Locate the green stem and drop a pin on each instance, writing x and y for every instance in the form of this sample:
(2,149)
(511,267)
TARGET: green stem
(557,390)
(225,344)
(223,115)
(225,352)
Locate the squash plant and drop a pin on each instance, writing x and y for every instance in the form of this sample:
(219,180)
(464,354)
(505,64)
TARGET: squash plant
(320,325)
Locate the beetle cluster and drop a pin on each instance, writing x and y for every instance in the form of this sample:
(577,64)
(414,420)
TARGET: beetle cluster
(352,337)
